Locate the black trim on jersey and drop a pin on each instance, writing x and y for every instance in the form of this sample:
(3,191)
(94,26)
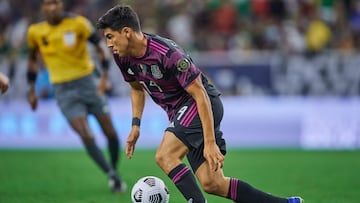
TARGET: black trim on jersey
(163,41)
(69,15)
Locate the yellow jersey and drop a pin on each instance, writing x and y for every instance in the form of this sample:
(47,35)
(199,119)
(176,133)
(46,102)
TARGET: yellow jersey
(63,47)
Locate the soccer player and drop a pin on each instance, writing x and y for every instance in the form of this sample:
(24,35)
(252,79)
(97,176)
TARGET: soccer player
(62,40)
(158,66)
(4,83)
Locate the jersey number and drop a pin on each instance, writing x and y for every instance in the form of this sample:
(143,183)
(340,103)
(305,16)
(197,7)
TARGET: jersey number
(151,87)
(181,112)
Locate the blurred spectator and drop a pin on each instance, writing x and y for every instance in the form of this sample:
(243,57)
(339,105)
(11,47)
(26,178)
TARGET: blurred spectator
(180,27)
(318,34)
(286,26)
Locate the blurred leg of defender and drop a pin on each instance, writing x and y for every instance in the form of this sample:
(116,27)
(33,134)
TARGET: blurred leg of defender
(114,149)
(77,99)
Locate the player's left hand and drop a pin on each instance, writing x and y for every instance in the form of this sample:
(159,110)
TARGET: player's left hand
(213,156)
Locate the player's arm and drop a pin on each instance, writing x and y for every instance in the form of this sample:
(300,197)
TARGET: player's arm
(211,151)
(32,70)
(4,83)
(88,30)
(137,95)
(104,62)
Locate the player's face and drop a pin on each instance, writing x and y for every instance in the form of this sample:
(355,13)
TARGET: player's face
(52,10)
(117,41)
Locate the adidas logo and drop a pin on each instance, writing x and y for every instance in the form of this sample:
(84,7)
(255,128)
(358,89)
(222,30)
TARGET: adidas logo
(130,71)
(191,200)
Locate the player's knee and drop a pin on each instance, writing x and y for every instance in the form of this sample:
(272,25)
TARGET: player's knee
(87,139)
(210,187)
(111,134)
(85,135)
(160,159)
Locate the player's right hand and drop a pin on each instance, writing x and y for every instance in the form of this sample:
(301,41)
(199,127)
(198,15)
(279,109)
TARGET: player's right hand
(213,156)
(131,141)
(104,85)
(32,99)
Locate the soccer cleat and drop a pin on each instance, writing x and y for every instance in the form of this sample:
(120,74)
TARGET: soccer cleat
(295,200)
(116,185)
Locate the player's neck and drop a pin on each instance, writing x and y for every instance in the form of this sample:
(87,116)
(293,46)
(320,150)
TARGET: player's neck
(140,45)
(55,21)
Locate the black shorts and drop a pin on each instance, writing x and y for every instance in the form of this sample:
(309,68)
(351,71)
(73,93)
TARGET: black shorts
(186,126)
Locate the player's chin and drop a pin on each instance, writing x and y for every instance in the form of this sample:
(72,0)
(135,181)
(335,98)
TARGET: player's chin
(120,54)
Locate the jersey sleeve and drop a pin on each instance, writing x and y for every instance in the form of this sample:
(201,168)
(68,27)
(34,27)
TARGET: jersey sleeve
(182,66)
(125,69)
(86,27)
(31,40)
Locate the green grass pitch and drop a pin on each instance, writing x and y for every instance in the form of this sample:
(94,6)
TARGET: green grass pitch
(69,176)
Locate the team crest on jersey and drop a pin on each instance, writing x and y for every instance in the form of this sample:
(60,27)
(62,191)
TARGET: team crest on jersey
(69,38)
(155,71)
(183,65)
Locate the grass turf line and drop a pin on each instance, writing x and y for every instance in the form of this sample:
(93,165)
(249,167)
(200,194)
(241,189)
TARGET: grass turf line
(57,176)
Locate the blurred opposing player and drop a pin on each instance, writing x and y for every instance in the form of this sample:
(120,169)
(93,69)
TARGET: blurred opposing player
(62,42)
(160,67)
(4,83)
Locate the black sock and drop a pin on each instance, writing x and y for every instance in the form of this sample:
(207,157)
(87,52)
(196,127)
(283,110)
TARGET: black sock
(96,154)
(113,146)
(242,192)
(185,181)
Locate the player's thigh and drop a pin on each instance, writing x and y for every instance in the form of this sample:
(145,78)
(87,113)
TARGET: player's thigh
(170,151)
(70,102)
(96,103)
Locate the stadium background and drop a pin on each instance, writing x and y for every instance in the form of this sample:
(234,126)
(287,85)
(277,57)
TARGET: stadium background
(290,77)
(288,70)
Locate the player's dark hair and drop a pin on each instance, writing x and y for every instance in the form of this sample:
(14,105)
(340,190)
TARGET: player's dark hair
(119,17)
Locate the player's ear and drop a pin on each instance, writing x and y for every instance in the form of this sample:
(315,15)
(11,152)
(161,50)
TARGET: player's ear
(127,31)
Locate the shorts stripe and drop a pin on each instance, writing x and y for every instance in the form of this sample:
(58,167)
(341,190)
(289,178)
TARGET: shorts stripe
(189,116)
(180,174)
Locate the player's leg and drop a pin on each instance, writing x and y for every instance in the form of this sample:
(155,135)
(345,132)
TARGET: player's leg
(169,157)
(232,188)
(215,182)
(72,98)
(112,138)
(107,126)
(81,127)
(212,182)
(97,105)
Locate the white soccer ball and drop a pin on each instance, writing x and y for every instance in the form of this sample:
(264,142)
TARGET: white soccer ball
(150,189)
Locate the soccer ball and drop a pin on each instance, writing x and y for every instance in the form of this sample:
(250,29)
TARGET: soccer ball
(150,189)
